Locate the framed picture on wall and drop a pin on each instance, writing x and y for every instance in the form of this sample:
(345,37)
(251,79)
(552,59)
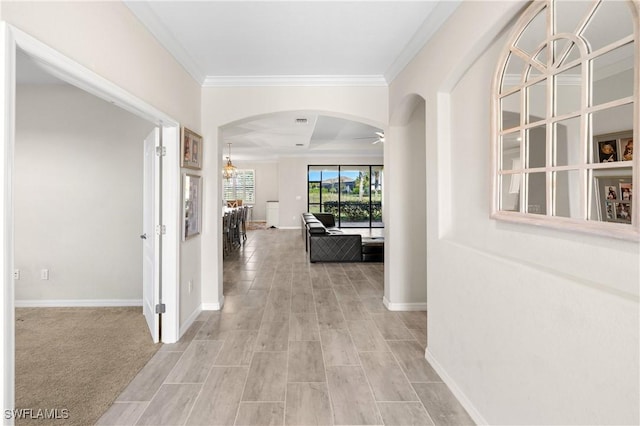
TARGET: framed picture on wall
(191,148)
(191,205)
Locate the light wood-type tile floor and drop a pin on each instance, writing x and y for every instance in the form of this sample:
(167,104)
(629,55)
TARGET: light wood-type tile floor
(295,344)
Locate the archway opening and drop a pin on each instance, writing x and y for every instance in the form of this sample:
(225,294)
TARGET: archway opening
(279,149)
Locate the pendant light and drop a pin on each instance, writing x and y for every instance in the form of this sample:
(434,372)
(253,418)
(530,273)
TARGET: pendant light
(229,170)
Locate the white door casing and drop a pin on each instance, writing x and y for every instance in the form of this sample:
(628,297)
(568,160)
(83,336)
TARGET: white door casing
(70,71)
(149,236)
(7,133)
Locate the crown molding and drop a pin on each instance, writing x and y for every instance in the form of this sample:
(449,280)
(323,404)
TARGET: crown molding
(149,19)
(429,27)
(295,80)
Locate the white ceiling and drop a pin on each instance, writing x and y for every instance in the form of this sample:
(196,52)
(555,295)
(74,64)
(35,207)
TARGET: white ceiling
(219,42)
(226,43)
(223,43)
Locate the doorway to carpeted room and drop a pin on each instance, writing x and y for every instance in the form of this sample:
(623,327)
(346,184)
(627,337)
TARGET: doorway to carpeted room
(76,361)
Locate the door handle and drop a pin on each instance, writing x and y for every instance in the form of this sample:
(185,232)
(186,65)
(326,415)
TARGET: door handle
(143,236)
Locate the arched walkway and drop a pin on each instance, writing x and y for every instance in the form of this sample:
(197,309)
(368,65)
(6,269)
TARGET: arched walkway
(290,172)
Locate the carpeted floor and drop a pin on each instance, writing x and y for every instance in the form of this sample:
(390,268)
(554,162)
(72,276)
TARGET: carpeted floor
(77,359)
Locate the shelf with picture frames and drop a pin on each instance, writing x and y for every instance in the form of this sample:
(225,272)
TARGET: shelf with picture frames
(613,179)
(565,113)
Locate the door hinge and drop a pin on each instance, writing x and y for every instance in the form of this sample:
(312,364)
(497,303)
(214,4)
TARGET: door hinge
(161,308)
(161,151)
(161,229)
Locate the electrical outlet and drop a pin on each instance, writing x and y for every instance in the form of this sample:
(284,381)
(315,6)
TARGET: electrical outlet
(16,274)
(44,274)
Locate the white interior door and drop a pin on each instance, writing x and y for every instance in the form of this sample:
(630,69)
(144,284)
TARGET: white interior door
(149,237)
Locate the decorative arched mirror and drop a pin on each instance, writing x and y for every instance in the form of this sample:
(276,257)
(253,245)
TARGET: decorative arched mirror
(564,118)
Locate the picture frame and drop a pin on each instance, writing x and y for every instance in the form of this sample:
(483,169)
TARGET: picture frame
(626,191)
(613,199)
(610,192)
(610,210)
(613,147)
(190,149)
(623,212)
(191,205)
(607,151)
(626,149)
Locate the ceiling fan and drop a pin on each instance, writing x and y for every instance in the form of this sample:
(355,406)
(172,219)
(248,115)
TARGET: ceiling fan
(378,138)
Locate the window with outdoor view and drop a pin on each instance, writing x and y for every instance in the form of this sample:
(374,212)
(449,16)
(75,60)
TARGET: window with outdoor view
(241,187)
(565,113)
(352,193)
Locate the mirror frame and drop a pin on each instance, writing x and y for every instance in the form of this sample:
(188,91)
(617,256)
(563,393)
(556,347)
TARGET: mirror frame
(587,168)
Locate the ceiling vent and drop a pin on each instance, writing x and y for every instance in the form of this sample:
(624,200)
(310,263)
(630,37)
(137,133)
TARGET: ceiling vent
(299,144)
(301,121)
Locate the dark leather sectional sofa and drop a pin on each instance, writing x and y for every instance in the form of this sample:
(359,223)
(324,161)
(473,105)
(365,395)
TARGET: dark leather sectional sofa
(326,243)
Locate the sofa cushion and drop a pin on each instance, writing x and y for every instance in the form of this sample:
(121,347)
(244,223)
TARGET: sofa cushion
(336,248)
(373,249)
(316,228)
(327,219)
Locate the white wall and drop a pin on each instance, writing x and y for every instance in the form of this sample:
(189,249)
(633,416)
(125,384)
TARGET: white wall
(406,229)
(78,196)
(527,325)
(224,106)
(107,38)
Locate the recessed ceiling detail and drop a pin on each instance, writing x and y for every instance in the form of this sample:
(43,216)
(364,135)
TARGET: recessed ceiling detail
(276,135)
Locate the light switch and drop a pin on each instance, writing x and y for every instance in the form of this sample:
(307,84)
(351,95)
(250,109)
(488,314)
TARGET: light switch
(44,274)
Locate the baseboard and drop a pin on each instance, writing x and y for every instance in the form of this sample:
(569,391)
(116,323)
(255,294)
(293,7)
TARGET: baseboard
(289,227)
(189,321)
(79,303)
(461,396)
(403,306)
(211,306)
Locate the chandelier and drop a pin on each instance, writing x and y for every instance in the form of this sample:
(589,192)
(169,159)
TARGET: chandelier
(229,170)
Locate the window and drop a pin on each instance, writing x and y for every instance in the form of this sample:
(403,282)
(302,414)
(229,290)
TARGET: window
(352,193)
(565,113)
(241,187)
